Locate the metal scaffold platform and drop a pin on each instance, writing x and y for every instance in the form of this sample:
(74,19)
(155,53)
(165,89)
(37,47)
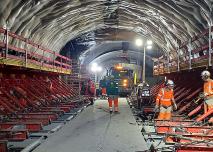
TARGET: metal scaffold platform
(30,55)
(95,130)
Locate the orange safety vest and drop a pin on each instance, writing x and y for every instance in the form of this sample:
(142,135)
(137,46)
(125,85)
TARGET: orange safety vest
(103,90)
(208,88)
(165,97)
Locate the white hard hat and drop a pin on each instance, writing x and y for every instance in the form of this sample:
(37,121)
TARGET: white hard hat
(170,83)
(205,73)
(140,85)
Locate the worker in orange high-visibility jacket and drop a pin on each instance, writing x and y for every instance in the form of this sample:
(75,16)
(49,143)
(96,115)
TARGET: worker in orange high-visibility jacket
(165,101)
(103,88)
(208,90)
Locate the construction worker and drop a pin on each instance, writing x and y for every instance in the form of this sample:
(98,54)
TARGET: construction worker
(208,90)
(103,88)
(83,88)
(103,92)
(112,92)
(165,101)
(90,91)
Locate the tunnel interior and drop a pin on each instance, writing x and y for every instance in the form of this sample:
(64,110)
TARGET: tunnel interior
(48,49)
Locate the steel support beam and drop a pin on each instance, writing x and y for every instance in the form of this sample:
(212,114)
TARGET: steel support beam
(190,53)
(210,44)
(168,62)
(178,57)
(6,42)
(26,48)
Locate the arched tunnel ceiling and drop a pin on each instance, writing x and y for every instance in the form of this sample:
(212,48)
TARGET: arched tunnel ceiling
(52,23)
(131,58)
(109,50)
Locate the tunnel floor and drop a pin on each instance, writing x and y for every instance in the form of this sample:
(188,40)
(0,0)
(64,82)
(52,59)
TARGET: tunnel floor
(94,130)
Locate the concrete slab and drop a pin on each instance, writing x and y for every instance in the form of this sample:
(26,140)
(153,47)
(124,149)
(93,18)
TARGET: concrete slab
(95,130)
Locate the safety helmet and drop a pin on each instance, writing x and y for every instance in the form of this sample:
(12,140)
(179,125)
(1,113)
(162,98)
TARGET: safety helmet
(170,83)
(140,85)
(205,74)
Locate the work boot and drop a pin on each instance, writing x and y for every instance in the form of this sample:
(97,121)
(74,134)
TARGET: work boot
(91,101)
(110,110)
(116,112)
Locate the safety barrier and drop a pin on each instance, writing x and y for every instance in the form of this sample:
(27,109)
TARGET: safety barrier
(16,50)
(188,57)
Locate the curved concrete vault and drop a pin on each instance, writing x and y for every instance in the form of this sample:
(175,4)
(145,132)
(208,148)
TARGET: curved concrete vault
(52,23)
(115,49)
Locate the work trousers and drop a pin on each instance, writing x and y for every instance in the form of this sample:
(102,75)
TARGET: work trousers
(165,113)
(209,103)
(110,100)
(103,91)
